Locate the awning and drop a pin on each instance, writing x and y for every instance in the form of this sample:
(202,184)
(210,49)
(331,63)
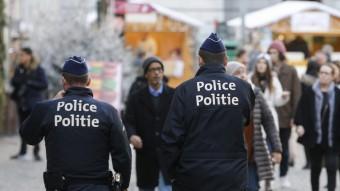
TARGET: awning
(272,14)
(141,7)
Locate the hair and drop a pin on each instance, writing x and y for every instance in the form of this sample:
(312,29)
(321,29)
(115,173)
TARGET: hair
(282,57)
(268,75)
(212,58)
(232,67)
(76,80)
(329,66)
(240,53)
(33,64)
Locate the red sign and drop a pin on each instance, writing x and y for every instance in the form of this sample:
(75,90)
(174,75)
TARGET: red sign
(122,7)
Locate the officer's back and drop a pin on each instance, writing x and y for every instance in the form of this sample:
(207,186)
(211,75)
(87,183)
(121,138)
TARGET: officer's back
(80,133)
(203,135)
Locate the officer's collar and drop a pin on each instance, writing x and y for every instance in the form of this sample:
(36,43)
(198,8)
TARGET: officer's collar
(211,68)
(80,91)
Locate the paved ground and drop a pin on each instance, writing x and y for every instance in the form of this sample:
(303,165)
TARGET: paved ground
(27,175)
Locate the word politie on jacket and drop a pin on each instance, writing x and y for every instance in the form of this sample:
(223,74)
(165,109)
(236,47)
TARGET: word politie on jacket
(220,93)
(74,119)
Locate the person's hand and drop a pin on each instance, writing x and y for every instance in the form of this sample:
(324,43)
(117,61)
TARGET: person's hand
(292,124)
(60,94)
(136,141)
(300,130)
(276,157)
(286,95)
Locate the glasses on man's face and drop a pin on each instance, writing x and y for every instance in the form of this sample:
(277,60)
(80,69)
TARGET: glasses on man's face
(156,69)
(325,73)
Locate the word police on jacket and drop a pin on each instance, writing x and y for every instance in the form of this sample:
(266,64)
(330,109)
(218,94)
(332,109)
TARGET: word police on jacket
(73,118)
(221,93)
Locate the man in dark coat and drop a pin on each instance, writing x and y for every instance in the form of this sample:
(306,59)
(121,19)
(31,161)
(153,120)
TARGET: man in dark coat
(144,118)
(202,141)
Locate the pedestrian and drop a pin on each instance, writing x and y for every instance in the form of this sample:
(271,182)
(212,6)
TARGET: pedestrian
(202,141)
(268,82)
(291,85)
(80,133)
(146,111)
(242,57)
(319,125)
(29,83)
(336,67)
(260,161)
(314,63)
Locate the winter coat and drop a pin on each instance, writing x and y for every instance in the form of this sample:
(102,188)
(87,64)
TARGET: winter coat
(28,87)
(80,134)
(141,119)
(306,116)
(274,98)
(203,141)
(263,120)
(290,82)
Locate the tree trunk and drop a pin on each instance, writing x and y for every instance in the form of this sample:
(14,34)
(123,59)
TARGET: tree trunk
(2,58)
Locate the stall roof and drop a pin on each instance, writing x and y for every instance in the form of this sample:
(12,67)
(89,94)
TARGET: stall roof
(272,14)
(171,13)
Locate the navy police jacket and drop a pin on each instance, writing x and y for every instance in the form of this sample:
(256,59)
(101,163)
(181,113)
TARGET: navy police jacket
(80,133)
(202,140)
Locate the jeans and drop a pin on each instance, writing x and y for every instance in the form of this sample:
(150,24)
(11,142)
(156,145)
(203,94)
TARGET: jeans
(23,147)
(253,178)
(284,136)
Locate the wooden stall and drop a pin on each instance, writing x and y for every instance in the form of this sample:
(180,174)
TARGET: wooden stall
(159,31)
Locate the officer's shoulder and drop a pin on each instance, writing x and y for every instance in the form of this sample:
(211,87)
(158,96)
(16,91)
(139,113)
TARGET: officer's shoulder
(106,106)
(169,89)
(45,104)
(237,80)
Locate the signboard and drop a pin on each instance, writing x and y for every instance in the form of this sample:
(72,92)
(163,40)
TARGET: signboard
(310,22)
(122,8)
(106,82)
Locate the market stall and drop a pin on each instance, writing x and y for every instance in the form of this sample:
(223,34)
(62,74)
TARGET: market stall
(150,29)
(313,22)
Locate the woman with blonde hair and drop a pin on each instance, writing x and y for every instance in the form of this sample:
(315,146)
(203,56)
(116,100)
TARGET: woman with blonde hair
(29,82)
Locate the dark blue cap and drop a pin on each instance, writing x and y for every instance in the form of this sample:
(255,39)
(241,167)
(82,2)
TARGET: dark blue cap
(213,44)
(75,65)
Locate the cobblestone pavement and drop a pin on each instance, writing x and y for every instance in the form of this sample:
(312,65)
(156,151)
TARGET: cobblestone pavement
(26,175)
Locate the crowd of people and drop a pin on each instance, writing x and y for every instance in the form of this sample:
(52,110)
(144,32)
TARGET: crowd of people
(309,104)
(284,102)
(157,123)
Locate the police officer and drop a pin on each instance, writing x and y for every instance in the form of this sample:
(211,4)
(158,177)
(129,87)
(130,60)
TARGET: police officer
(80,133)
(202,140)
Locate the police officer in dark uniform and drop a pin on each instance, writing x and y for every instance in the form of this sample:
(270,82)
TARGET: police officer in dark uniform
(202,140)
(80,133)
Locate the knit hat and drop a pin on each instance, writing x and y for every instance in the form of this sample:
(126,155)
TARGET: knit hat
(213,44)
(75,65)
(278,45)
(265,57)
(152,59)
(232,67)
